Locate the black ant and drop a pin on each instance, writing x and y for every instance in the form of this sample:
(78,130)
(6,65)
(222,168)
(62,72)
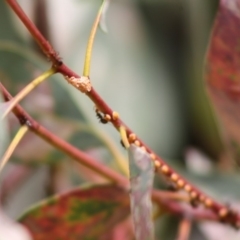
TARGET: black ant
(100,117)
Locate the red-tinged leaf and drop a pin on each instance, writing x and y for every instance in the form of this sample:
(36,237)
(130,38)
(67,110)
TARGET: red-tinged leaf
(141,180)
(79,214)
(223,71)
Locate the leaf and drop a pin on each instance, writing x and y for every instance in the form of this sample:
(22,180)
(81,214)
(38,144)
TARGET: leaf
(3,129)
(141,181)
(3,107)
(102,22)
(222,71)
(79,214)
(8,30)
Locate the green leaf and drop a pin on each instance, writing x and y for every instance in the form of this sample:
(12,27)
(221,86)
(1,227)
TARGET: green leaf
(218,183)
(102,22)
(83,213)
(7,29)
(141,181)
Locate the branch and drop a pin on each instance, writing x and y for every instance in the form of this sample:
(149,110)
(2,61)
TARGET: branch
(160,197)
(65,147)
(18,137)
(197,197)
(184,229)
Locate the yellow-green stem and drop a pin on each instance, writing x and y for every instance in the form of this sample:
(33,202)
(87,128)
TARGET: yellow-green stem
(120,160)
(27,90)
(123,135)
(88,56)
(19,135)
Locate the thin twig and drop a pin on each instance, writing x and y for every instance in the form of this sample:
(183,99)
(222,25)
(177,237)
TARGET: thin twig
(19,135)
(34,83)
(184,229)
(88,55)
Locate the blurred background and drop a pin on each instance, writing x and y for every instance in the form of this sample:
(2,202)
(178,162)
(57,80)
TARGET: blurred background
(149,67)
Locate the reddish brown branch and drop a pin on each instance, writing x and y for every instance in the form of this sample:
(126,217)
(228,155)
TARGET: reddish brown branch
(197,197)
(83,158)
(64,146)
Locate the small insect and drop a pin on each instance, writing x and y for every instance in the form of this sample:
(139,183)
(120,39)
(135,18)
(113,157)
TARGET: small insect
(100,117)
